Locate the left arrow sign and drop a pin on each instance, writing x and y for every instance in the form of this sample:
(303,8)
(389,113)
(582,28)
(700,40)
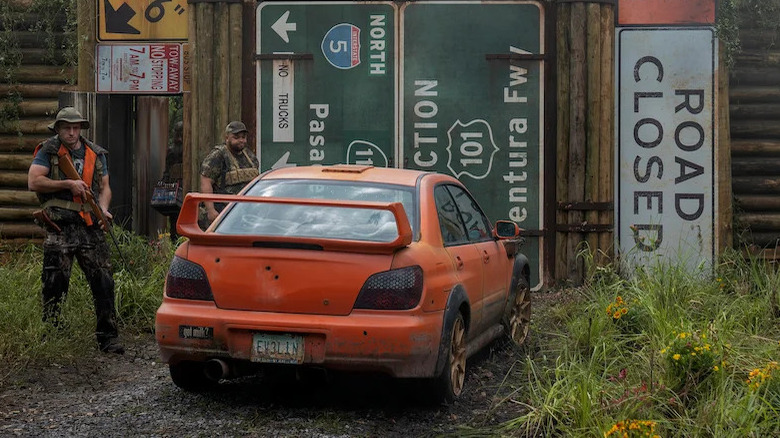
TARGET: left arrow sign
(118,20)
(281,27)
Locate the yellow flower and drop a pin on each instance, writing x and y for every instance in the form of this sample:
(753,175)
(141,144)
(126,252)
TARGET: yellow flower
(715,368)
(676,357)
(693,353)
(682,335)
(663,351)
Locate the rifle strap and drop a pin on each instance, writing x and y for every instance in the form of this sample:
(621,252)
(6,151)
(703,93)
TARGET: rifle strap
(68,205)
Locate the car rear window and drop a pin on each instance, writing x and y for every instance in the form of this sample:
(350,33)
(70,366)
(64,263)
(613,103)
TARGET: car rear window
(349,223)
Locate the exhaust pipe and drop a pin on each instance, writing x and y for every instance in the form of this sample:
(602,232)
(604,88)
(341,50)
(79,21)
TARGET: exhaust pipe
(216,369)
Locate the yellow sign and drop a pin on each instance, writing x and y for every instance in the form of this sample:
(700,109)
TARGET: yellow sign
(142,20)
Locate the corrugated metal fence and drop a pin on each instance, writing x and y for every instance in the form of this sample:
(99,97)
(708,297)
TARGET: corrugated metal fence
(755,133)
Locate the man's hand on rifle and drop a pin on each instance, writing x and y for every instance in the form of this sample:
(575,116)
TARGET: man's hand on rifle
(109,219)
(77,187)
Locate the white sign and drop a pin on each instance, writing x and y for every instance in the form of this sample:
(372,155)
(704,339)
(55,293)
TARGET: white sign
(666,189)
(284,101)
(139,68)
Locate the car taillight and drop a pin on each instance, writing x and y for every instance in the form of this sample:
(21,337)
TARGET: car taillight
(187,280)
(398,289)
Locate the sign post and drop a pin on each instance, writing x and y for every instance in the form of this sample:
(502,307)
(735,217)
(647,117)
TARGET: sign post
(326,83)
(472,89)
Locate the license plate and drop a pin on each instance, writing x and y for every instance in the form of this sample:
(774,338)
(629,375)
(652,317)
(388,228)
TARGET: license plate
(277,348)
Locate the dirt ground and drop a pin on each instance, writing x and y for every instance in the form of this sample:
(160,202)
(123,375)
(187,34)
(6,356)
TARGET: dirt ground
(132,395)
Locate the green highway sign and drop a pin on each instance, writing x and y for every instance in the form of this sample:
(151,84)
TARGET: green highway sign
(472,103)
(326,83)
(468,100)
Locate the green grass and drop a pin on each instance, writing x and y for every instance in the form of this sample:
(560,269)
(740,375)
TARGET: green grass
(679,356)
(26,341)
(589,371)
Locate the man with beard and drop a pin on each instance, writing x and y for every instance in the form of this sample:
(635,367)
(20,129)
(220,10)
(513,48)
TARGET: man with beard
(227,169)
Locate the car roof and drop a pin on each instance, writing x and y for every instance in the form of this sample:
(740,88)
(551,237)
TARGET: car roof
(349,172)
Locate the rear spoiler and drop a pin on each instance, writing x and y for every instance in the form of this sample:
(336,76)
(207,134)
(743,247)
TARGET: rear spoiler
(187,225)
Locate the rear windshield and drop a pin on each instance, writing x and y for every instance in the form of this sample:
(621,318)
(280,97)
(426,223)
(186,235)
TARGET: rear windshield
(348,223)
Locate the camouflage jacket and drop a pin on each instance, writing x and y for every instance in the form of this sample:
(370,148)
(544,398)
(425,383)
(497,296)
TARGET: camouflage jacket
(230,172)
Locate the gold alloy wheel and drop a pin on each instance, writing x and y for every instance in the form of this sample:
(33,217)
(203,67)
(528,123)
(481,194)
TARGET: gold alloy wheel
(520,319)
(458,356)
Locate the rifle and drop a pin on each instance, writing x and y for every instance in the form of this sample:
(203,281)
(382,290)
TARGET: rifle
(66,165)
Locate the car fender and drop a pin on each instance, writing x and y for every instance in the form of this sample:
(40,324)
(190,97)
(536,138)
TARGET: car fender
(455,301)
(520,269)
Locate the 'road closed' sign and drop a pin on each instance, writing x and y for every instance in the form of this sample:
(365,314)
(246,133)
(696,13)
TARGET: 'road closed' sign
(666,192)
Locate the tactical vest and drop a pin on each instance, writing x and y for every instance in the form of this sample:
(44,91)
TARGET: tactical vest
(62,205)
(235,174)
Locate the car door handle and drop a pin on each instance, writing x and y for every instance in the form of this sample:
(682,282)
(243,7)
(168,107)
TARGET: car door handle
(485,256)
(459,262)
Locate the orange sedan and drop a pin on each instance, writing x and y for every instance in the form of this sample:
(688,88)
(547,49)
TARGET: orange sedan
(342,267)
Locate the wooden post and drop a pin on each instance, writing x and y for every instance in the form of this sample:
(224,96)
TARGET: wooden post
(204,111)
(235,62)
(725,235)
(87,40)
(562,137)
(190,146)
(576,183)
(222,55)
(607,124)
(593,171)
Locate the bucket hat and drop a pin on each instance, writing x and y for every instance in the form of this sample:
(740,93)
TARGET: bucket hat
(235,128)
(70,115)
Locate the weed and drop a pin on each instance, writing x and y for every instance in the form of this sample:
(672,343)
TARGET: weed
(25,340)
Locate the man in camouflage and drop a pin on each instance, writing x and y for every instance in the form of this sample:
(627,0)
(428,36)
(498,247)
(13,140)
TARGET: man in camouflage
(227,168)
(72,229)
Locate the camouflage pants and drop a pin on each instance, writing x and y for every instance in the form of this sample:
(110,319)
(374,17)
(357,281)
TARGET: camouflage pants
(89,247)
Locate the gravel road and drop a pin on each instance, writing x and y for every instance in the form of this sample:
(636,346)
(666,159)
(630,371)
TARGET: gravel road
(132,395)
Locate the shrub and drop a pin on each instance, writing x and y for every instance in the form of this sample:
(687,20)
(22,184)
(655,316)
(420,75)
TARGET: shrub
(632,429)
(690,358)
(766,382)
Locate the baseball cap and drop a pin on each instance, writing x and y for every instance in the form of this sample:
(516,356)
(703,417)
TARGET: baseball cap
(235,128)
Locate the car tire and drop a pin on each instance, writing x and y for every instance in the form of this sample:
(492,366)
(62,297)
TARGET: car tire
(449,385)
(517,323)
(189,376)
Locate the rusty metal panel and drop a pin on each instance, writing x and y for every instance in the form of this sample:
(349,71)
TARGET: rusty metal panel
(665,12)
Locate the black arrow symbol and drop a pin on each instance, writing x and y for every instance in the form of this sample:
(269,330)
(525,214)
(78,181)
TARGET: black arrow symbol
(118,20)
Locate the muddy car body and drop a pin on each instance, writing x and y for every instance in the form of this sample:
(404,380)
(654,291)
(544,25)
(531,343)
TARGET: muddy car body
(341,267)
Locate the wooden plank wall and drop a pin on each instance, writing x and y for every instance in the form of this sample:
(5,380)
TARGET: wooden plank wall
(216,41)
(585,34)
(33,90)
(755,131)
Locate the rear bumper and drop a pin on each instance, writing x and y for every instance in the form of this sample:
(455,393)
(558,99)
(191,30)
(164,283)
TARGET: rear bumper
(402,344)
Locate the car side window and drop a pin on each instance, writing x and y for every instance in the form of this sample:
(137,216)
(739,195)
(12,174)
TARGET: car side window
(452,230)
(477,225)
